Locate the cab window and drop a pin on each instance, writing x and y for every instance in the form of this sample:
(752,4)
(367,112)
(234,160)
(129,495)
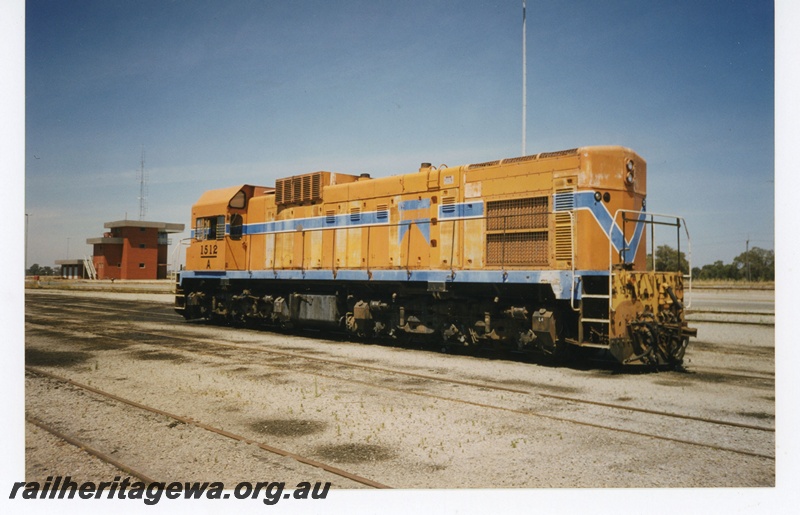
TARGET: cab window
(239,201)
(236,226)
(210,228)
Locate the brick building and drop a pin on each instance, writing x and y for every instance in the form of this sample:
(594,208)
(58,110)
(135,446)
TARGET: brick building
(133,250)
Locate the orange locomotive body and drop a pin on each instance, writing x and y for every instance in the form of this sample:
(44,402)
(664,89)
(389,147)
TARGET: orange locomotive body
(544,252)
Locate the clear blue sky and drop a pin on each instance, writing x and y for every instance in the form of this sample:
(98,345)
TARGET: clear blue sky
(221,93)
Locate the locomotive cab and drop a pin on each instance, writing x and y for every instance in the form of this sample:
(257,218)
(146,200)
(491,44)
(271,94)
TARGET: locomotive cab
(219,236)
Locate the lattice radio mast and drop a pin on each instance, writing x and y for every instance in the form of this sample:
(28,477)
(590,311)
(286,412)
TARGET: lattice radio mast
(142,190)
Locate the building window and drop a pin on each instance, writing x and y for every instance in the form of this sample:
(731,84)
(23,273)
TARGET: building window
(141,265)
(142,245)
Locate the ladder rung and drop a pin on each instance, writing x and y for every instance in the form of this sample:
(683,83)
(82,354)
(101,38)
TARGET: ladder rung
(596,320)
(595,296)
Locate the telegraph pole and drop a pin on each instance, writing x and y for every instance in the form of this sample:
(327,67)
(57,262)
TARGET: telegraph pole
(747,257)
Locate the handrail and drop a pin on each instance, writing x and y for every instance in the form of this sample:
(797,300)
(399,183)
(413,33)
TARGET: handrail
(642,219)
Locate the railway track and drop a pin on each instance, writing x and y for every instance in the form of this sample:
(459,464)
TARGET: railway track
(484,386)
(239,350)
(183,420)
(81,444)
(451,381)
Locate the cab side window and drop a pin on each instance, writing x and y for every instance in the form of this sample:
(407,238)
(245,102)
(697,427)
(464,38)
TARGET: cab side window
(236,226)
(210,228)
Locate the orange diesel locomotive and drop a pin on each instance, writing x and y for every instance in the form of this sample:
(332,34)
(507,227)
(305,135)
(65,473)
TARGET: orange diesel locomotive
(545,252)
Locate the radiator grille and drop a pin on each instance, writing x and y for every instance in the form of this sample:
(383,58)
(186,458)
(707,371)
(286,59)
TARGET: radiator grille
(522,248)
(519,213)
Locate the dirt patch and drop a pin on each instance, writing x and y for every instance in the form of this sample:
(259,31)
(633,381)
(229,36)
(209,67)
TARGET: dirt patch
(101,344)
(59,336)
(288,427)
(712,377)
(275,378)
(142,337)
(541,386)
(760,415)
(672,382)
(50,358)
(411,381)
(354,452)
(734,349)
(157,356)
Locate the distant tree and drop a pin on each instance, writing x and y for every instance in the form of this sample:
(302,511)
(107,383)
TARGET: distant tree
(717,270)
(36,269)
(756,264)
(668,260)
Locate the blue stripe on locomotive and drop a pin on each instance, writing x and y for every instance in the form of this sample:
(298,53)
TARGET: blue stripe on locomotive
(560,281)
(586,200)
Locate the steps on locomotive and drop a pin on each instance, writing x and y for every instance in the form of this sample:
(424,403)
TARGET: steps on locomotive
(180,298)
(595,302)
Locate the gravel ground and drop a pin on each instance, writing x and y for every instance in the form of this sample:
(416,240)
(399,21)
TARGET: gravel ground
(402,431)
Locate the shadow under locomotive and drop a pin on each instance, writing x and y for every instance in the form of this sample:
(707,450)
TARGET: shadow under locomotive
(454,324)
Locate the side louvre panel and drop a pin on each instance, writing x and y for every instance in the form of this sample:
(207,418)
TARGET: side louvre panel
(564,204)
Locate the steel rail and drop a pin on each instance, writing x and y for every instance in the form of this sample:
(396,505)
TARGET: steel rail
(460,382)
(190,421)
(89,449)
(546,416)
(493,387)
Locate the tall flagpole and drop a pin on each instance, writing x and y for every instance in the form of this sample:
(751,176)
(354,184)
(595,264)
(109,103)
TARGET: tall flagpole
(524,80)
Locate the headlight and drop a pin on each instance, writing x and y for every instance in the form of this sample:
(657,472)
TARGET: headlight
(629,166)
